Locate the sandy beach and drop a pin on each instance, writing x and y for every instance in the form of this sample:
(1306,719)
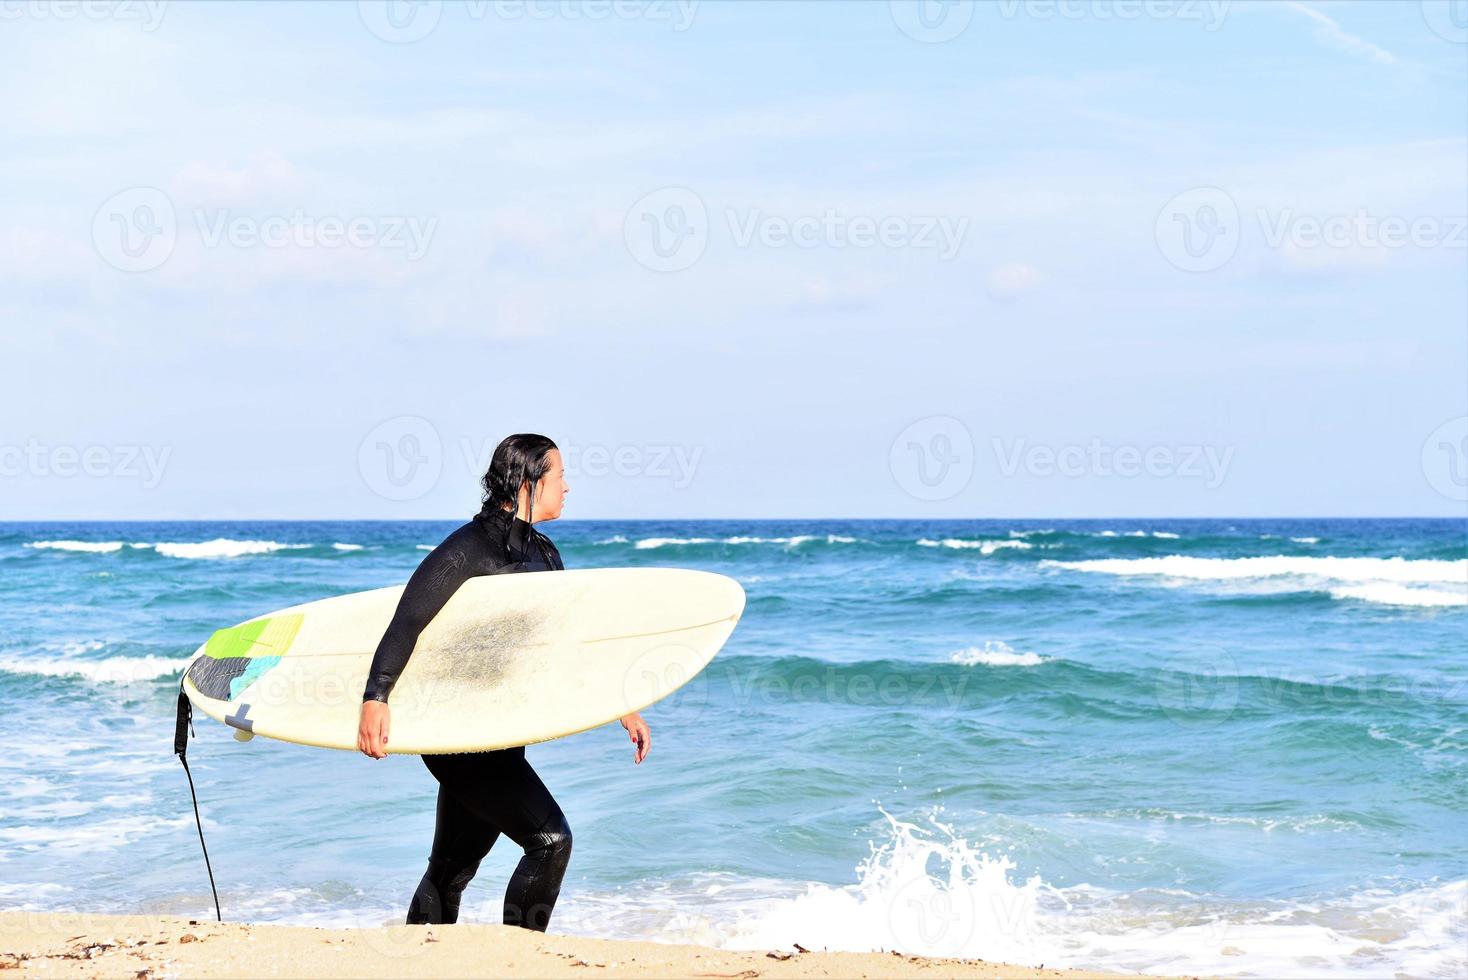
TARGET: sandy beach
(146,947)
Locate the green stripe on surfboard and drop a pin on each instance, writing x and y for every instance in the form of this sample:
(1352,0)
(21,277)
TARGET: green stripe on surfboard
(270,637)
(234,658)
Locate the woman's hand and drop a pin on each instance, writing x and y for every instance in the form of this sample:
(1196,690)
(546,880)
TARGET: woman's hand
(637,731)
(372,729)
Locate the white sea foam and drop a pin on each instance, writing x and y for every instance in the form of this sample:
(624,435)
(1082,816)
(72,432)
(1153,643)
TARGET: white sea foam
(31,890)
(222,548)
(1392,594)
(1310,822)
(985,547)
(793,541)
(99,835)
(95,547)
(1390,581)
(931,892)
(112,670)
(20,787)
(645,543)
(218,548)
(1422,571)
(1305,540)
(339,546)
(926,890)
(995,653)
(50,810)
(1166,535)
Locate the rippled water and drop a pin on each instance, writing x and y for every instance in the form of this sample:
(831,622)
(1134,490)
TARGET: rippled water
(1205,746)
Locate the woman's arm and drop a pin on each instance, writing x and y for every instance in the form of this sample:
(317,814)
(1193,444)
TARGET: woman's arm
(437,578)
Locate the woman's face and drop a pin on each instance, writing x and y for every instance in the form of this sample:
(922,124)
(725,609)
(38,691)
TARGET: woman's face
(550,492)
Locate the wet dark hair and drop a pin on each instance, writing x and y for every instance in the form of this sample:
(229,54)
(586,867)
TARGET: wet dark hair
(518,458)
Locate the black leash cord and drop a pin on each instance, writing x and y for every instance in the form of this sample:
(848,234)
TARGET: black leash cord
(181,748)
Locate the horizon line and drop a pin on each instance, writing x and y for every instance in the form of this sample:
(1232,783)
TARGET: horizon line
(608,520)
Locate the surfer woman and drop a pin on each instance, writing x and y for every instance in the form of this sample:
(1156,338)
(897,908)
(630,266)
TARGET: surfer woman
(484,794)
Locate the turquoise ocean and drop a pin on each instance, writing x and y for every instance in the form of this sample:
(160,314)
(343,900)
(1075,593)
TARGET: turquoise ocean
(1208,746)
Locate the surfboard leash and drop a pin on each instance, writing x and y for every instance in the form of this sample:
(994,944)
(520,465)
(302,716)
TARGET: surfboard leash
(182,728)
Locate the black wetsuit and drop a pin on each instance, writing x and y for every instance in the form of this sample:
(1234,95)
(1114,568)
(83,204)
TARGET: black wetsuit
(480,794)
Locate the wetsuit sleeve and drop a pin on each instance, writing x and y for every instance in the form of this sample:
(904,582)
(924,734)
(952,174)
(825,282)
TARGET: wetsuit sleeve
(437,578)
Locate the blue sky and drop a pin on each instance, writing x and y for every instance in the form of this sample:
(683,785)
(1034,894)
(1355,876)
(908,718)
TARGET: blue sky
(1053,259)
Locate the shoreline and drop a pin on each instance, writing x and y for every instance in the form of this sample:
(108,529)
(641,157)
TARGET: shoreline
(156,947)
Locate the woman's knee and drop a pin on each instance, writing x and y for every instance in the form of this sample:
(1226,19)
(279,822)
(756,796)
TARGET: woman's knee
(555,837)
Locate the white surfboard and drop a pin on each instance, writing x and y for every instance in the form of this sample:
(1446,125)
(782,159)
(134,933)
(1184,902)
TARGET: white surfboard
(509,660)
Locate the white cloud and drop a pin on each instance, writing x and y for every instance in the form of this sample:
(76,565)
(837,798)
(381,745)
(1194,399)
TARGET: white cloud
(1011,280)
(264,173)
(1331,32)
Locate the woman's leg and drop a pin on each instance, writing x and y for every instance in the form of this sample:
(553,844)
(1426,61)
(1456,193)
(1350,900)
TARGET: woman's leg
(545,835)
(502,790)
(460,842)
